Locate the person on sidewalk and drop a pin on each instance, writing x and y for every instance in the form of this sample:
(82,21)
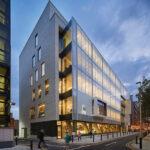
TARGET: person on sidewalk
(41,138)
(79,136)
(72,136)
(67,138)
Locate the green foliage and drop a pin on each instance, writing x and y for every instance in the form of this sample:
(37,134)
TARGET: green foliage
(144,96)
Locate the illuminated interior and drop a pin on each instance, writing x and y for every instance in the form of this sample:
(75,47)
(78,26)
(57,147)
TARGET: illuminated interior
(47,86)
(2,18)
(41,110)
(39,91)
(67,38)
(2,105)
(65,106)
(33,94)
(32,112)
(66,62)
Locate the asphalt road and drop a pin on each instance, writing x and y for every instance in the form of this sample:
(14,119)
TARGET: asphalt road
(117,144)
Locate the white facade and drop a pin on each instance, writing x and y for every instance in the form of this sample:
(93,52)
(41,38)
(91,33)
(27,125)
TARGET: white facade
(65,83)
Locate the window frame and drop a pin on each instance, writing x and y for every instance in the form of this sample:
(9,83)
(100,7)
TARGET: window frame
(36,75)
(33,61)
(36,40)
(39,54)
(43,69)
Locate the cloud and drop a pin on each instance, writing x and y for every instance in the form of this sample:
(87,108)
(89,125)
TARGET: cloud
(121,29)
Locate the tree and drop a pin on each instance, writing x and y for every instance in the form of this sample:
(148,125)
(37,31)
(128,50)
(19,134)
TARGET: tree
(144,96)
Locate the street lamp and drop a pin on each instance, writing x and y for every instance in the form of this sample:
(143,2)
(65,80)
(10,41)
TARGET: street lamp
(140,103)
(140,109)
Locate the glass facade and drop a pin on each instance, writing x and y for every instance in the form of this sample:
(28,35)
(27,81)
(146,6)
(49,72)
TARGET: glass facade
(98,88)
(95,77)
(5,50)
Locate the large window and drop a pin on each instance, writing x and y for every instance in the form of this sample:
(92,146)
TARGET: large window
(2,56)
(2,84)
(39,54)
(97,58)
(36,40)
(2,44)
(33,94)
(84,83)
(65,106)
(36,75)
(66,83)
(2,6)
(2,18)
(83,42)
(46,86)
(67,38)
(2,108)
(101,107)
(43,69)
(33,61)
(39,91)
(32,112)
(65,62)
(41,110)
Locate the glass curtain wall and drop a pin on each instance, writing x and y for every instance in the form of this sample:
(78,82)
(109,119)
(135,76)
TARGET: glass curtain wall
(65,81)
(94,73)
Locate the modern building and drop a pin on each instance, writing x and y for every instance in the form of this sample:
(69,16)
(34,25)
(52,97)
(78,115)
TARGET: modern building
(5,51)
(65,83)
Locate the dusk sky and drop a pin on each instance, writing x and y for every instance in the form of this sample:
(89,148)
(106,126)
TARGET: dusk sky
(118,28)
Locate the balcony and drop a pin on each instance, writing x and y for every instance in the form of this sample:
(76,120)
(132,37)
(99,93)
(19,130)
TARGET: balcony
(66,50)
(4,57)
(65,117)
(65,94)
(65,72)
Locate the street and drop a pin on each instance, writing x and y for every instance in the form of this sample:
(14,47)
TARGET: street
(116,144)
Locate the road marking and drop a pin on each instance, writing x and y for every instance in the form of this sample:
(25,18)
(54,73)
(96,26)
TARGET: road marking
(55,145)
(110,143)
(80,147)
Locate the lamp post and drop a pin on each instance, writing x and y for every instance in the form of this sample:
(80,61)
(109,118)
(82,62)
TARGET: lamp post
(139,97)
(140,103)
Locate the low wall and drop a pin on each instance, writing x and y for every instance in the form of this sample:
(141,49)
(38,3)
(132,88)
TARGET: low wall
(6,137)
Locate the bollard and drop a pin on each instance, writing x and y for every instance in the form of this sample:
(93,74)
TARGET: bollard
(31,144)
(113,134)
(101,137)
(140,142)
(117,134)
(136,140)
(16,140)
(120,133)
(93,137)
(107,135)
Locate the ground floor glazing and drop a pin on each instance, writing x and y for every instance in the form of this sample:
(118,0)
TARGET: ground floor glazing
(84,128)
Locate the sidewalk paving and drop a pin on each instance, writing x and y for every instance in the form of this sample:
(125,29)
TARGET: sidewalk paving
(19,147)
(146,144)
(97,138)
(60,143)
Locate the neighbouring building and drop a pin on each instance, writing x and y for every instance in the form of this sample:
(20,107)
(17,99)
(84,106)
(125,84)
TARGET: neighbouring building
(65,83)
(5,51)
(125,114)
(135,115)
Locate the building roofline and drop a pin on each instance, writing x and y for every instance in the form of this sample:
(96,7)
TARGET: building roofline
(49,4)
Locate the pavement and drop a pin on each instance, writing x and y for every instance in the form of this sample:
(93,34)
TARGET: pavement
(145,144)
(106,143)
(19,147)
